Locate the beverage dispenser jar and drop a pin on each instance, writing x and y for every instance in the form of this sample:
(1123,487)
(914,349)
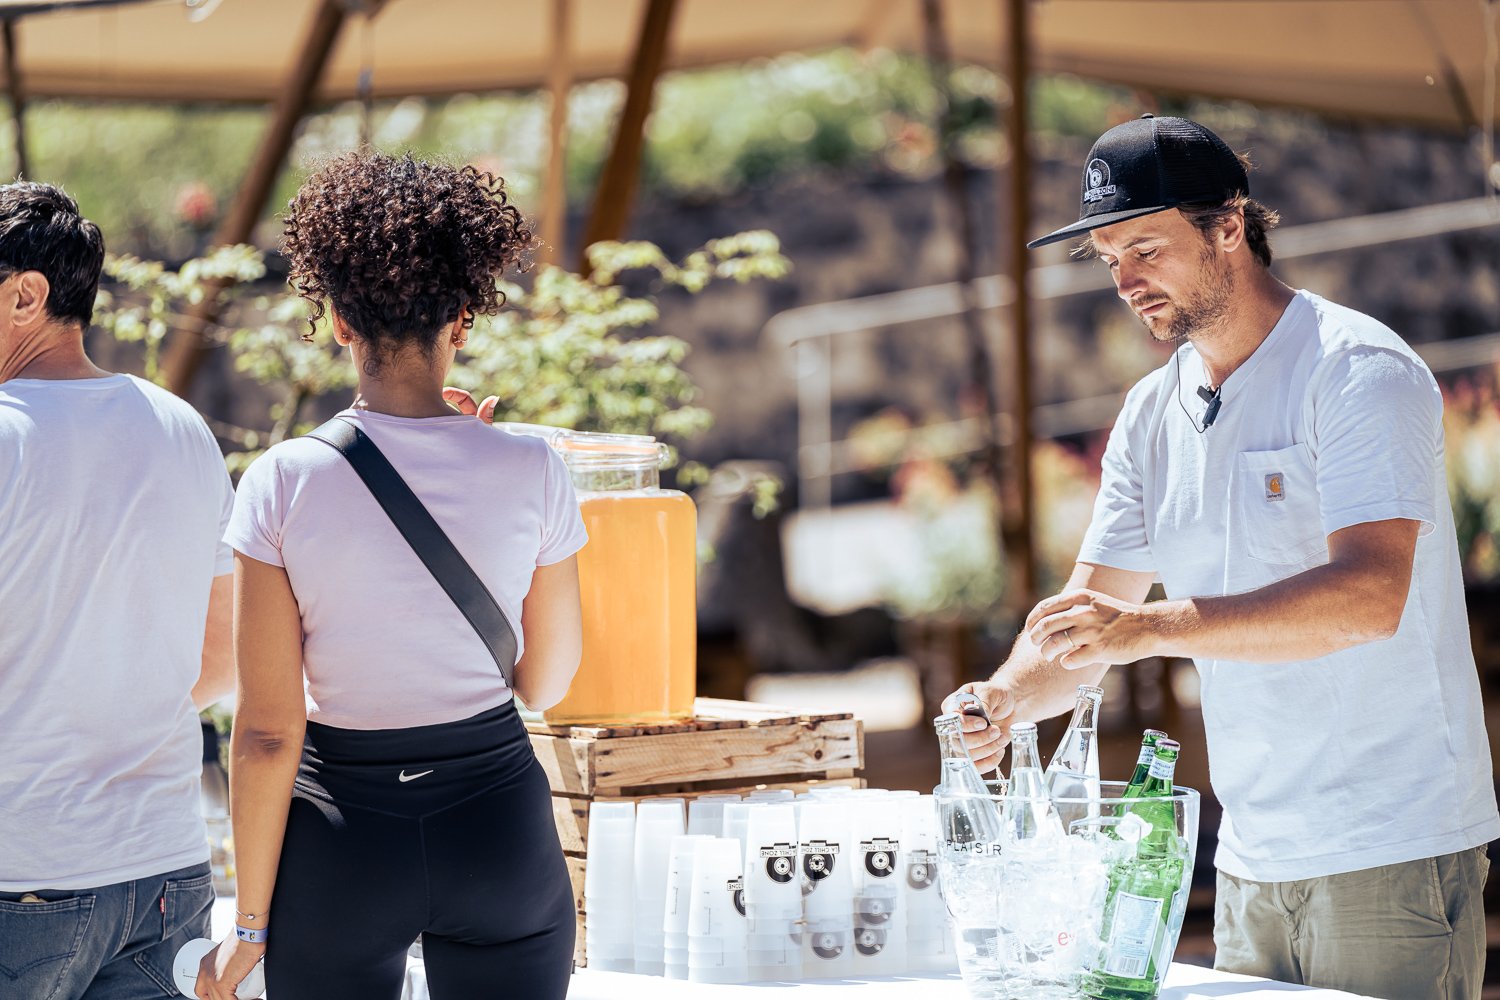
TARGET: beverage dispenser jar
(638,581)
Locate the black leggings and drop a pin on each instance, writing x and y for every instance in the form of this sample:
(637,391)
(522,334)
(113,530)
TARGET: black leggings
(444,831)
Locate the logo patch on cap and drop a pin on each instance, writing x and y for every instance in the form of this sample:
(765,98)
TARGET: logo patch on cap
(1096,186)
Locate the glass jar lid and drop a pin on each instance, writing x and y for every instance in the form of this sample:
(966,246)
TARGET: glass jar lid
(595,451)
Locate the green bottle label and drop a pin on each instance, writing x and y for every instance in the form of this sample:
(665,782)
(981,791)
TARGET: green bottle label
(1162,769)
(1132,935)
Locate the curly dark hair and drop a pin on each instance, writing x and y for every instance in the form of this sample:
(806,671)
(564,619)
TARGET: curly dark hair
(401,247)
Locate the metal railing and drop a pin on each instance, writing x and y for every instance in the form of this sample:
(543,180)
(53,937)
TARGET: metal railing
(809,333)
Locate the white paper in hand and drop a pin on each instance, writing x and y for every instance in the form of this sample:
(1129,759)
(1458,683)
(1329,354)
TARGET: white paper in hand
(185,971)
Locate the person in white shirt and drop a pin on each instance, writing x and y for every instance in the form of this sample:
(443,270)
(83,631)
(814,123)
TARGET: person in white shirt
(115,593)
(1282,476)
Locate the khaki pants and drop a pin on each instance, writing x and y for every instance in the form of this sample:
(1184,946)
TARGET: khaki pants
(1409,931)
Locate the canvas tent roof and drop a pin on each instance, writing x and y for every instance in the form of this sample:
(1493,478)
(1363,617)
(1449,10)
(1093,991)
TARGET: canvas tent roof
(1420,61)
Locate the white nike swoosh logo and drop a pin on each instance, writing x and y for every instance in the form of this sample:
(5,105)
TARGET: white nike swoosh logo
(403,776)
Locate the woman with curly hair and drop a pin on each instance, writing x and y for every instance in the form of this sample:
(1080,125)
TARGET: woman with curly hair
(383,787)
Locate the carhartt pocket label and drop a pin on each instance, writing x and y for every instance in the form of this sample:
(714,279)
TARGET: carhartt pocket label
(1275,487)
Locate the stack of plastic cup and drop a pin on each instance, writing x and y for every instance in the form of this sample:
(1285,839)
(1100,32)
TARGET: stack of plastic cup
(929,942)
(736,818)
(771,795)
(679,899)
(609,887)
(828,901)
(773,892)
(657,821)
(874,868)
(706,814)
(716,925)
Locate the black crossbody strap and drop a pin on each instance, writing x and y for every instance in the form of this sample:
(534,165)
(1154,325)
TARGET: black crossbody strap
(427,539)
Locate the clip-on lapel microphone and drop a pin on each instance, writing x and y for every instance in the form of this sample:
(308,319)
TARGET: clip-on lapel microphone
(1211,397)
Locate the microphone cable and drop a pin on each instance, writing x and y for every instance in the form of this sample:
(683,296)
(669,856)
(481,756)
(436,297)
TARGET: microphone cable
(1212,398)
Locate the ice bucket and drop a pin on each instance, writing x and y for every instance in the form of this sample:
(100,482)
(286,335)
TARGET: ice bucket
(1092,913)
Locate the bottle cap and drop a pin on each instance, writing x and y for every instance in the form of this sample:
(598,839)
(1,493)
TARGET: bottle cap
(948,719)
(1023,730)
(1155,734)
(1169,745)
(1090,691)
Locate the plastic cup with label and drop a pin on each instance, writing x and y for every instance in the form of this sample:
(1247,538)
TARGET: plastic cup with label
(716,920)
(828,901)
(875,858)
(929,942)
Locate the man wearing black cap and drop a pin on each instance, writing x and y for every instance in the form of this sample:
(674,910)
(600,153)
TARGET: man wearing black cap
(1282,476)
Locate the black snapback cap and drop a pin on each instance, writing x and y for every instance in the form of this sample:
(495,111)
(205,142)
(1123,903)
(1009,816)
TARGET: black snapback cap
(1149,165)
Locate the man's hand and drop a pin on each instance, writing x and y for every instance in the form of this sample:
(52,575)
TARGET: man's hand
(465,403)
(986,743)
(1083,628)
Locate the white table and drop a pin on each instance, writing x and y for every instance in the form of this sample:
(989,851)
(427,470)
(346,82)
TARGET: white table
(1184,982)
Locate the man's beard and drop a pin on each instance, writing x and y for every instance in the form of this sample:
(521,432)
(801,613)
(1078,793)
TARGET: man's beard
(1204,307)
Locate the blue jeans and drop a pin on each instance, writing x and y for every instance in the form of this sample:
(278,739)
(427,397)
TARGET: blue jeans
(115,942)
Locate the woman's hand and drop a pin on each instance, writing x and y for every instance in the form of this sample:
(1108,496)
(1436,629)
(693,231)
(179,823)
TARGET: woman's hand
(464,401)
(225,968)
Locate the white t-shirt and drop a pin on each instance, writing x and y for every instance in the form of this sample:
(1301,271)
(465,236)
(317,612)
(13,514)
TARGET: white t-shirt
(113,498)
(384,647)
(1370,756)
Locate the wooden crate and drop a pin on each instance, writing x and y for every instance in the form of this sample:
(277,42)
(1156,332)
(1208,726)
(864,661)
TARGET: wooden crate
(728,746)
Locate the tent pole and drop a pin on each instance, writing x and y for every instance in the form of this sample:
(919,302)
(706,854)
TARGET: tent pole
(554,231)
(17,99)
(1016,205)
(975,322)
(185,354)
(617,184)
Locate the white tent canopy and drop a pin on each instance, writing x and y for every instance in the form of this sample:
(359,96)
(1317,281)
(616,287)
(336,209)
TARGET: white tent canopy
(1419,61)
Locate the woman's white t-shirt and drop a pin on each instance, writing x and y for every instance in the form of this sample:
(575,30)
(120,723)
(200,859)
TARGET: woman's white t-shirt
(384,647)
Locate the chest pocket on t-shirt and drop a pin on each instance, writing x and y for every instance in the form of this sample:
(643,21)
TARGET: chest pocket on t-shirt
(1278,508)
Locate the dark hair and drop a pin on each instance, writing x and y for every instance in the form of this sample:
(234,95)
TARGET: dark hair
(41,230)
(401,247)
(1208,218)
(1259,221)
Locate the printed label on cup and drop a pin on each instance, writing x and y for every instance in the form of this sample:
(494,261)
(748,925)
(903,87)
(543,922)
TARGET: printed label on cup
(818,858)
(736,887)
(781,862)
(921,869)
(880,856)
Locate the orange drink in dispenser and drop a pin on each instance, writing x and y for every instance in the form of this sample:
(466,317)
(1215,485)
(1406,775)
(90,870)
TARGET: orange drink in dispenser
(638,581)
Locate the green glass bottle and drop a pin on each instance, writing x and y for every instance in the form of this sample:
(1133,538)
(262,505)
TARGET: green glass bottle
(1143,894)
(1149,739)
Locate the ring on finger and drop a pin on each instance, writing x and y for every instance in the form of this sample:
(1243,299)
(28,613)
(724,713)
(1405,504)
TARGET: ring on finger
(1068,635)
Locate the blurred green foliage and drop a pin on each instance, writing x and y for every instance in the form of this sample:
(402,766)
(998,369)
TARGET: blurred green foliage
(158,178)
(568,350)
(1471,426)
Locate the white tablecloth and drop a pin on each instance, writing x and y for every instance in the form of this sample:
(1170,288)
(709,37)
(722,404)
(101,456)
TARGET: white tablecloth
(1184,982)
